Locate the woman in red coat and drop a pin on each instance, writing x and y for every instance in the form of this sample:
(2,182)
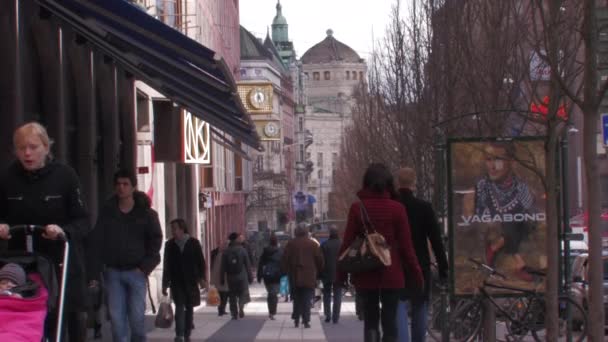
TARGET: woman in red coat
(381,287)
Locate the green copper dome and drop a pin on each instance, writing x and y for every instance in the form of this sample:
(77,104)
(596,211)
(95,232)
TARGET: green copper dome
(279,26)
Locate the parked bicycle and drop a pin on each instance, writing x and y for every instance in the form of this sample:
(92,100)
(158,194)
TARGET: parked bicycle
(524,316)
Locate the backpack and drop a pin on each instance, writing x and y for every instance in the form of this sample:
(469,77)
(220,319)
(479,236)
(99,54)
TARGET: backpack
(272,268)
(234,266)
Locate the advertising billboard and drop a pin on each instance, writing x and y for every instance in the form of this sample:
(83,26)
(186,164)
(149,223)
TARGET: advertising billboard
(497,211)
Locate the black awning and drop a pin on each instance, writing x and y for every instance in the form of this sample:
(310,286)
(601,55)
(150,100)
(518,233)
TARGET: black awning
(185,71)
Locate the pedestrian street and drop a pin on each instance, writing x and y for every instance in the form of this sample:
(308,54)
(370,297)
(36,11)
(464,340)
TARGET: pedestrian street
(256,327)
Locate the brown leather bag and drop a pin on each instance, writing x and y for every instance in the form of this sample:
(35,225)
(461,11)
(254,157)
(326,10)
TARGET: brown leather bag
(368,252)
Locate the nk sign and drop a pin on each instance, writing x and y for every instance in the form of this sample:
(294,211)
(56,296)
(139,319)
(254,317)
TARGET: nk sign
(605,129)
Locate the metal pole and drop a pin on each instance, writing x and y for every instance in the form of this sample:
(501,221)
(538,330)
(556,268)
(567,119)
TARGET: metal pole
(321,194)
(489,321)
(439,206)
(566,230)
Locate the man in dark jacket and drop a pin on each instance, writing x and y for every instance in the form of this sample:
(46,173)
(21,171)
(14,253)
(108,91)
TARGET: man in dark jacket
(424,228)
(184,273)
(302,261)
(236,270)
(129,238)
(269,270)
(330,249)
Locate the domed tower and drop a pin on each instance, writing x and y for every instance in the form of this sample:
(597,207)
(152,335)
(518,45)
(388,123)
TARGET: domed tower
(334,70)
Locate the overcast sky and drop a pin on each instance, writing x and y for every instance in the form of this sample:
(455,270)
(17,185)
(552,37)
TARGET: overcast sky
(351,20)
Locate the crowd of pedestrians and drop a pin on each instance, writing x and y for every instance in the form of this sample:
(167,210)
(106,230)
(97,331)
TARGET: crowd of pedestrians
(118,253)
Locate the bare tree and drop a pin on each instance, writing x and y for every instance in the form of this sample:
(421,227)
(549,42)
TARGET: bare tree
(465,68)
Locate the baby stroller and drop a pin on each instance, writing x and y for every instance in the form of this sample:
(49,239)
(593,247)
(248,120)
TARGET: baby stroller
(23,319)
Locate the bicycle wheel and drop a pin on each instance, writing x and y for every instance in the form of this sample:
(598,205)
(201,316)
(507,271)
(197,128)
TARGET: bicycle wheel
(523,315)
(463,324)
(578,319)
(433,328)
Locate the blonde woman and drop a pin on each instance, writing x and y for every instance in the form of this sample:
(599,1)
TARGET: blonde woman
(38,190)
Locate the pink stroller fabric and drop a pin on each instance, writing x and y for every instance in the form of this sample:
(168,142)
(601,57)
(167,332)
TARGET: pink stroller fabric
(22,319)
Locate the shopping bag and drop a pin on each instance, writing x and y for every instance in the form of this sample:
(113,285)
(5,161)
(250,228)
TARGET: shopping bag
(284,286)
(164,316)
(213,297)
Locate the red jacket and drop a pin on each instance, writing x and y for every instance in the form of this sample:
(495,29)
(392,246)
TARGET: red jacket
(389,219)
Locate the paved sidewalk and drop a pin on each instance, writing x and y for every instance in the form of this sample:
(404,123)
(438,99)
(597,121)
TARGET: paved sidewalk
(256,327)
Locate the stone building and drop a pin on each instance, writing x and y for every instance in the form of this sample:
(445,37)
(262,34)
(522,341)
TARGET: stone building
(267,92)
(332,70)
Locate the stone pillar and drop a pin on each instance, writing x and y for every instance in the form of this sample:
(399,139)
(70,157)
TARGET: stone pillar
(49,41)
(109,130)
(11,83)
(83,72)
(126,86)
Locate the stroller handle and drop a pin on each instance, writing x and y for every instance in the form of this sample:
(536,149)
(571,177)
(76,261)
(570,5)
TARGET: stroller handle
(30,229)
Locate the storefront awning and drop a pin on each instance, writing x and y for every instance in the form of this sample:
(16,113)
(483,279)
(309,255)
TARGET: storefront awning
(183,70)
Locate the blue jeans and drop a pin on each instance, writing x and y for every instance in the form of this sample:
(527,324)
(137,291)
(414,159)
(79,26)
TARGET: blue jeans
(330,289)
(126,294)
(419,320)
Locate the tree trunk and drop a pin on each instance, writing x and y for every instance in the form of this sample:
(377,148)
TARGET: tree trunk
(590,112)
(596,270)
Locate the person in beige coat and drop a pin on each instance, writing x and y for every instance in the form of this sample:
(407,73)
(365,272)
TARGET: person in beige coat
(302,261)
(216,263)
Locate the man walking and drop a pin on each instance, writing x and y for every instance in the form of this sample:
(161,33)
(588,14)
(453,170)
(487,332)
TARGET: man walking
(236,270)
(128,239)
(183,272)
(302,260)
(424,228)
(330,249)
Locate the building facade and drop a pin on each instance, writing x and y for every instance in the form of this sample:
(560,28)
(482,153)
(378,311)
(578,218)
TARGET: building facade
(153,101)
(332,71)
(208,186)
(265,73)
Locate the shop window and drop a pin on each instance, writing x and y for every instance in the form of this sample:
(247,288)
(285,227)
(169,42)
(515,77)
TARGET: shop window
(143,113)
(238,170)
(207,176)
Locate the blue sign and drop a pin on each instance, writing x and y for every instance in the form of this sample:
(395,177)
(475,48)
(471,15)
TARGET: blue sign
(605,128)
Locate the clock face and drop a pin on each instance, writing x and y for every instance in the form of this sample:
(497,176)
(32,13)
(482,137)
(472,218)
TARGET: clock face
(257,98)
(271,129)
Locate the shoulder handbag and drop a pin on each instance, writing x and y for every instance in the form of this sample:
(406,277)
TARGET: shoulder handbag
(368,252)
